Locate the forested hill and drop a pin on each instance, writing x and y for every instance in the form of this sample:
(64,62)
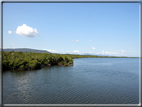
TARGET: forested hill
(25,50)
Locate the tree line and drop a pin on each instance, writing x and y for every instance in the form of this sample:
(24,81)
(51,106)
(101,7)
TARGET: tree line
(32,60)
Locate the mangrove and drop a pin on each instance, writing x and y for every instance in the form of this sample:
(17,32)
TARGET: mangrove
(30,61)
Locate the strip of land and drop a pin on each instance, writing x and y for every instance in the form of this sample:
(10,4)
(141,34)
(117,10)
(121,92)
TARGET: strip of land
(33,60)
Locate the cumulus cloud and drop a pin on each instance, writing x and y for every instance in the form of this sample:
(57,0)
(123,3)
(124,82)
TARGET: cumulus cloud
(93,48)
(26,31)
(77,40)
(89,40)
(9,32)
(75,51)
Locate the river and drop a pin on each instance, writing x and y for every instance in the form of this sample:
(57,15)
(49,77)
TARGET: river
(88,81)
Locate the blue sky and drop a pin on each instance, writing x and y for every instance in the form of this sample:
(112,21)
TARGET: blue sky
(94,28)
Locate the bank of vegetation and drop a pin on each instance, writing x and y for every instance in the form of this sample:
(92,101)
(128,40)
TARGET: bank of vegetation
(32,60)
(95,56)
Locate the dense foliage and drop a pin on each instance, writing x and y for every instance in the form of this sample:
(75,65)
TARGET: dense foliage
(29,61)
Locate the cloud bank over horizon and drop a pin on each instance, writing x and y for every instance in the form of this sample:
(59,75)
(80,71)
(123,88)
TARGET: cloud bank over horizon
(75,51)
(26,31)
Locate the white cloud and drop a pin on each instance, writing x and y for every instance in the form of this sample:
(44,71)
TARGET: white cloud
(103,52)
(72,40)
(93,48)
(117,52)
(89,40)
(45,49)
(26,31)
(107,53)
(77,40)
(53,51)
(13,44)
(9,32)
(49,50)
(122,51)
(75,51)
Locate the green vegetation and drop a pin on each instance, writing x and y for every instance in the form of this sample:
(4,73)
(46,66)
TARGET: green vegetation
(29,61)
(95,56)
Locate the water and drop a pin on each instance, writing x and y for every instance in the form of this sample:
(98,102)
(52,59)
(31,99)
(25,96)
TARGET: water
(88,81)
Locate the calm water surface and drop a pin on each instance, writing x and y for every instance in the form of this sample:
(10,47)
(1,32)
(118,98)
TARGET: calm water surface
(88,81)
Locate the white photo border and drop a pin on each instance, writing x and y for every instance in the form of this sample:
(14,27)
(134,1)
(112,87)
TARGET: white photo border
(74,1)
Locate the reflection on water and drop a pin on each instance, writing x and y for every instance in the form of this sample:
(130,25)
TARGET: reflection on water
(88,81)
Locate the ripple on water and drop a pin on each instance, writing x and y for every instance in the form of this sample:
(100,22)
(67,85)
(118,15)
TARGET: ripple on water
(89,81)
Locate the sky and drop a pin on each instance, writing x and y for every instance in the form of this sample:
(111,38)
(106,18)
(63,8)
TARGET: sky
(75,28)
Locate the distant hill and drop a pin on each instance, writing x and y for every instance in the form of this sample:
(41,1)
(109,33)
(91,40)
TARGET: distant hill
(25,50)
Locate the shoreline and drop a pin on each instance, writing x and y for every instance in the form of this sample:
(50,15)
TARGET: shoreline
(32,61)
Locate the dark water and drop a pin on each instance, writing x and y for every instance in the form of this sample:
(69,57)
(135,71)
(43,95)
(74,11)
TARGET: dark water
(88,81)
